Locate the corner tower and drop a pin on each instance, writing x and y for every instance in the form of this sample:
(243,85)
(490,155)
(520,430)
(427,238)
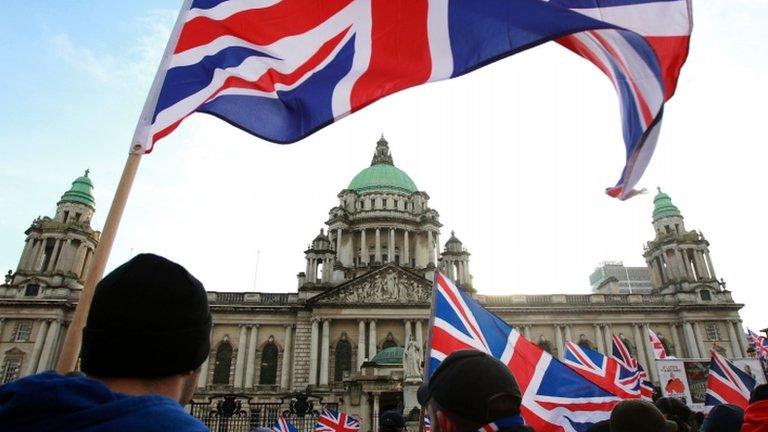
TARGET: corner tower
(58,250)
(677,259)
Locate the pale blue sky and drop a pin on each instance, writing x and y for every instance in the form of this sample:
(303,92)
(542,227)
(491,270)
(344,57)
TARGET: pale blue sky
(515,156)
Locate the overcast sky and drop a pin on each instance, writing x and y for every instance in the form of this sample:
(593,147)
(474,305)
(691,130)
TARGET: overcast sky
(514,156)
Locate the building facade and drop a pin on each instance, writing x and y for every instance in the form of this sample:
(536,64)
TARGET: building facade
(338,337)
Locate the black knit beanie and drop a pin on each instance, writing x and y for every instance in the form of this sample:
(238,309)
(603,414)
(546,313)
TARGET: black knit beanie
(149,318)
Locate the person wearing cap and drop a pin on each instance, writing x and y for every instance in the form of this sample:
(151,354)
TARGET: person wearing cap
(470,391)
(635,415)
(391,421)
(146,336)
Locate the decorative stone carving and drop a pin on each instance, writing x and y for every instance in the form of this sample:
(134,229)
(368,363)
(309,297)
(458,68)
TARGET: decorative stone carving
(412,359)
(391,286)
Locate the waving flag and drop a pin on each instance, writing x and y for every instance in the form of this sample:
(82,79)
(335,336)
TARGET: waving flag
(281,70)
(283,425)
(760,343)
(620,352)
(555,398)
(727,384)
(603,371)
(658,348)
(336,421)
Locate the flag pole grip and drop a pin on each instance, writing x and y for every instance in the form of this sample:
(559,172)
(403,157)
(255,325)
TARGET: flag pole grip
(71,348)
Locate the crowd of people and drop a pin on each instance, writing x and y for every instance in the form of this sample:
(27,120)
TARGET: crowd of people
(148,333)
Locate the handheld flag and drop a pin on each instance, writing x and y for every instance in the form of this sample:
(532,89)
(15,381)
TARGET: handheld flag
(760,343)
(283,425)
(336,421)
(603,371)
(621,353)
(658,348)
(727,384)
(555,398)
(281,70)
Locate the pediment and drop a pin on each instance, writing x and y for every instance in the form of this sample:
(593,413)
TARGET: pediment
(388,285)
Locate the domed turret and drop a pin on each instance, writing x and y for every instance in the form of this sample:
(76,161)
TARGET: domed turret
(663,207)
(389,356)
(80,192)
(454,261)
(382,175)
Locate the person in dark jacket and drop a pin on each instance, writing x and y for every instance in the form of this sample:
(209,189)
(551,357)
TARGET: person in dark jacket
(471,390)
(146,336)
(635,415)
(723,418)
(756,414)
(391,421)
(674,409)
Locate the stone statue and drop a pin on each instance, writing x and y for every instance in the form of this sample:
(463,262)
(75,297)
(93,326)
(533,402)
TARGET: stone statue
(412,359)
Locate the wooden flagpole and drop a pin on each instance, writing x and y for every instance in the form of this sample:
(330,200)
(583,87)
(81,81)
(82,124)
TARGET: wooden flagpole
(71,349)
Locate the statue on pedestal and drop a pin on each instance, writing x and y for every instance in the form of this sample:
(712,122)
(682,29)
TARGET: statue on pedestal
(412,359)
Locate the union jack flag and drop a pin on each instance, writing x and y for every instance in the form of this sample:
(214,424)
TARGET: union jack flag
(283,425)
(658,348)
(603,371)
(555,398)
(727,384)
(621,353)
(760,343)
(281,70)
(336,421)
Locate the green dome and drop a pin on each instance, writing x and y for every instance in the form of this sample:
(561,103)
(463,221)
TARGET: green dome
(382,175)
(663,207)
(81,192)
(389,356)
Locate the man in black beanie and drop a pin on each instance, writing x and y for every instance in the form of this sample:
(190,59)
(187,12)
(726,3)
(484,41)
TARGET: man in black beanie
(146,336)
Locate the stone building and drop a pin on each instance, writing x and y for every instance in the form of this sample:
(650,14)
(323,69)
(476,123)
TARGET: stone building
(338,337)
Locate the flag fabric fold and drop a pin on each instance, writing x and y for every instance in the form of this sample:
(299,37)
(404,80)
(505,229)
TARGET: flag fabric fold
(336,421)
(727,384)
(621,353)
(604,371)
(555,398)
(658,348)
(281,70)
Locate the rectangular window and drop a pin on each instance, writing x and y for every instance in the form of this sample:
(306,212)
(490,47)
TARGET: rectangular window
(11,368)
(66,215)
(22,331)
(31,290)
(712,332)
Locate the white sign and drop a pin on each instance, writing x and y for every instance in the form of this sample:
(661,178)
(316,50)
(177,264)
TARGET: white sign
(673,380)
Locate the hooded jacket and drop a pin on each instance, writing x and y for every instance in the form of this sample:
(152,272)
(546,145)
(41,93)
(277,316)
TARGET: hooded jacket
(756,417)
(52,402)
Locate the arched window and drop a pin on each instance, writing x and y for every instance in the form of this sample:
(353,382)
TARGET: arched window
(343,358)
(11,367)
(389,342)
(268,363)
(223,364)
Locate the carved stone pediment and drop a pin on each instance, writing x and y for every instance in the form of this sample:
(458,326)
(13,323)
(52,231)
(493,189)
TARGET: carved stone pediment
(389,285)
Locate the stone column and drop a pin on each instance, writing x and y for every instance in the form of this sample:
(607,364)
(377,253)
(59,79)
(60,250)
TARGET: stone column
(338,244)
(391,246)
(2,323)
(79,259)
(372,339)
(559,341)
(741,337)
(250,363)
(437,246)
(419,335)
(527,332)
(363,247)
(308,272)
(202,380)
(642,357)
(430,248)
(701,268)
(313,348)
(325,352)
(377,257)
(675,340)
(287,358)
(407,332)
(568,336)
(25,254)
(690,341)
(651,353)
(360,343)
(709,264)
(34,357)
(608,334)
(735,347)
(406,249)
(375,419)
(599,339)
(703,351)
(240,359)
(49,346)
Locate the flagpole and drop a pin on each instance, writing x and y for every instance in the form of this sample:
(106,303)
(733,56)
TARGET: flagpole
(141,138)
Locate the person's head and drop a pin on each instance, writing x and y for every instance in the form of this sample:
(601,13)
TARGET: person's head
(759,393)
(391,421)
(674,409)
(635,415)
(148,326)
(723,418)
(469,390)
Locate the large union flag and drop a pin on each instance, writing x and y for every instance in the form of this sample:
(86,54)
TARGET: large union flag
(281,70)
(555,398)
(727,384)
